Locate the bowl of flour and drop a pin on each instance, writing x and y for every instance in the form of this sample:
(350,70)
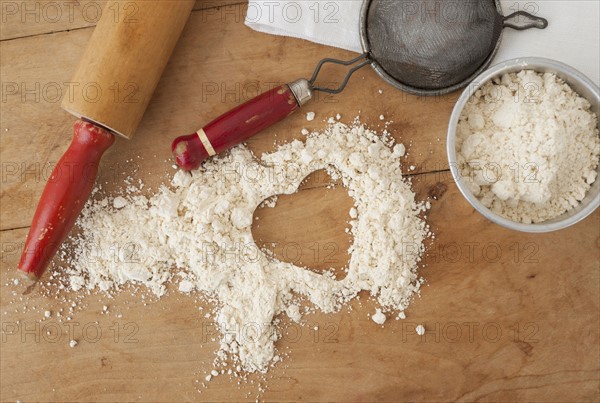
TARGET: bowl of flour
(524,145)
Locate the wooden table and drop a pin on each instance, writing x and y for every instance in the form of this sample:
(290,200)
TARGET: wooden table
(509,316)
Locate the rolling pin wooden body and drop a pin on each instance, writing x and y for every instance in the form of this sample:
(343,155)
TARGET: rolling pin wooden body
(113,84)
(124,60)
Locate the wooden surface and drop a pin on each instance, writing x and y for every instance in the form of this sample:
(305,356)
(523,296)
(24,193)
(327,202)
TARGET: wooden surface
(510,316)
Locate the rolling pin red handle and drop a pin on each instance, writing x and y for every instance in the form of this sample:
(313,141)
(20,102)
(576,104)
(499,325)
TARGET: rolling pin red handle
(64,196)
(241,123)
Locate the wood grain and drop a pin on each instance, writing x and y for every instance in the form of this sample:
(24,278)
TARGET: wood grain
(28,18)
(501,325)
(509,316)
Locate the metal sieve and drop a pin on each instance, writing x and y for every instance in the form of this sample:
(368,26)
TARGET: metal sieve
(433,47)
(422,47)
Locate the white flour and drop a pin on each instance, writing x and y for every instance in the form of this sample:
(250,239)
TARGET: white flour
(203,228)
(528,146)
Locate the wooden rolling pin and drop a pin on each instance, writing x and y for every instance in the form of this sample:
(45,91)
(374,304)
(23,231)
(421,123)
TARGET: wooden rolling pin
(114,82)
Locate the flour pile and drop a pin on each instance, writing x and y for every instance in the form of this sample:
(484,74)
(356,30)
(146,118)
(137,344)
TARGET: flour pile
(528,146)
(203,227)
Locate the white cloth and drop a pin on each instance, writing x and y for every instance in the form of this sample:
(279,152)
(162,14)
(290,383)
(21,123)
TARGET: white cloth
(572,36)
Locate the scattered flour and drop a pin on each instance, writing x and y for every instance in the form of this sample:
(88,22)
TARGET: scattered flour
(378,317)
(186,286)
(119,202)
(202,227)
(528,146)
(399,150)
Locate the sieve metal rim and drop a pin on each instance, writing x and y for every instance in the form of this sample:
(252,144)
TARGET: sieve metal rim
(364,39)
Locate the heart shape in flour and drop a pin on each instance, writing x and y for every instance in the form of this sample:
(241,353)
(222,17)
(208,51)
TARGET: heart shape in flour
(203,228)
(311,231)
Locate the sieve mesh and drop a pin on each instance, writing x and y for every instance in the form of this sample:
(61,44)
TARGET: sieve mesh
(432,44)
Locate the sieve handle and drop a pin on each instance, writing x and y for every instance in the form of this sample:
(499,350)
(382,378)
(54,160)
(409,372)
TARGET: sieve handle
(522,20)
(241,123)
